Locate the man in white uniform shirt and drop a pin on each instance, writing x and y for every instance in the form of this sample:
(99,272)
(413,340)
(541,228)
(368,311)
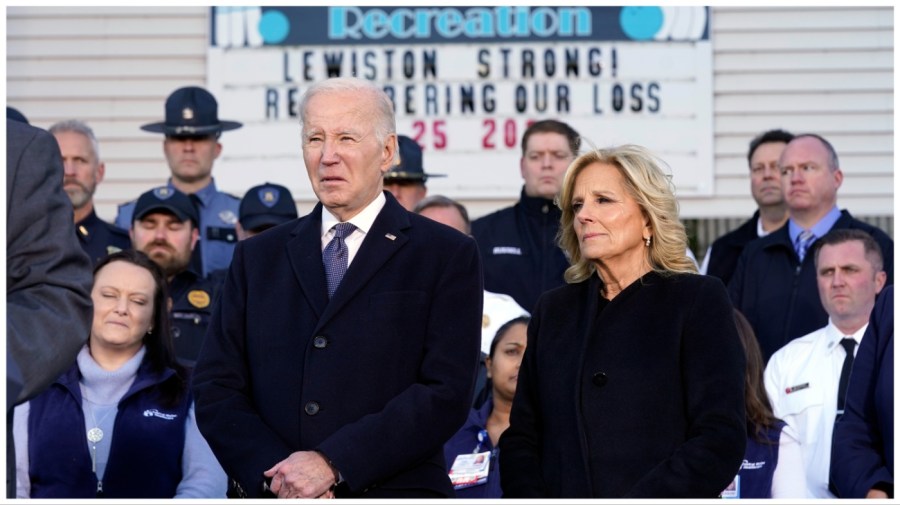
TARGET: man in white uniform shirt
(805,379)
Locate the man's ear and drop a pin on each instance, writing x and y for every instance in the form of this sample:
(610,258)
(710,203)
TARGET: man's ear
(389,153)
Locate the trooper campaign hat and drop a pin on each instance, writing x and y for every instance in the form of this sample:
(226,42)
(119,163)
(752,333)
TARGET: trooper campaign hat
(266,205)
(410,166)
(166,199)
(191,111)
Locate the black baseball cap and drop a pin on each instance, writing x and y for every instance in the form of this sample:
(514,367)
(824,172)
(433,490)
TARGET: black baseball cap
(266,205)
(166,199)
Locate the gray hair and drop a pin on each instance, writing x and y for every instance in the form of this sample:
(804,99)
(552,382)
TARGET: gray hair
(77,126)
(384,108)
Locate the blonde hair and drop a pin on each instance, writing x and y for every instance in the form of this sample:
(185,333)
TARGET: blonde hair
(654,193)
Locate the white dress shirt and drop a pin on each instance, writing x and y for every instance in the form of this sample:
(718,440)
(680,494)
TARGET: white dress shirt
(802,379)
(363,222)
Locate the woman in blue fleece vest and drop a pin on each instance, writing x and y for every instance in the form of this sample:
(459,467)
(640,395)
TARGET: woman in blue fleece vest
(120,423)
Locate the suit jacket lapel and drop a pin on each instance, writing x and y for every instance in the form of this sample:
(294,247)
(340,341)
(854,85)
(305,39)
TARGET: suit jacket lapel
(384,239)
(304,251)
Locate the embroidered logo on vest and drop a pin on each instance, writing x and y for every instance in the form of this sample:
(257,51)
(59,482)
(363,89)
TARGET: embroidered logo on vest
(161,415)
(507,250)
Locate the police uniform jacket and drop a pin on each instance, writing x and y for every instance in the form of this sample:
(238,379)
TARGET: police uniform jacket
(779,295)
(218,213)
(377,378)
(725,251)
(519,250)
(641,396)
(99,238)
(192,302)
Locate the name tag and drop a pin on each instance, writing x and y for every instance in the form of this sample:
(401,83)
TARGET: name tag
(470,469)
(507,250)
(796,388)
(733,490)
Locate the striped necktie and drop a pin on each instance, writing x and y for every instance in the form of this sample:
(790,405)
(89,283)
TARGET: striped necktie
(804,240)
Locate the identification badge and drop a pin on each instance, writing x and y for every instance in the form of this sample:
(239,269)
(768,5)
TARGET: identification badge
(470,469)
(734,489)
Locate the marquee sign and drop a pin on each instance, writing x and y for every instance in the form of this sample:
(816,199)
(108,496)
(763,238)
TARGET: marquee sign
(466,82)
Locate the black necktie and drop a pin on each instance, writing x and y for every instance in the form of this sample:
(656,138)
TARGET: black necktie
(335,256)
(848,345)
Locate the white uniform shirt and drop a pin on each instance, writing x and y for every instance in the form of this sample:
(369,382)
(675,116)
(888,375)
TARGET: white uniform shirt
(802,379)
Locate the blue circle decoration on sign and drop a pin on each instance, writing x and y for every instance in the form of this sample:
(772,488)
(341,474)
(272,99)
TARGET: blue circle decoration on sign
(641,23)
(274,27)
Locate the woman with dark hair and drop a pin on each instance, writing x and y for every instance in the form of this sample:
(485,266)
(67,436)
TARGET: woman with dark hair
(773,465)
(120,423)
(632,384)
(480,478)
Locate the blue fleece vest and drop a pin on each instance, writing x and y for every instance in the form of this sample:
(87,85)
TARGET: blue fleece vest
(758,468)
(145,456)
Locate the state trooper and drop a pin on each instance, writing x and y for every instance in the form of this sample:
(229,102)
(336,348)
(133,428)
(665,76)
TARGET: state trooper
(406,180)
(192,129)
(165,229)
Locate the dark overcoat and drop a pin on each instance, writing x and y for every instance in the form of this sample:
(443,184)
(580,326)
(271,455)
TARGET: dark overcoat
(642,398)
(377,378)
(862,457)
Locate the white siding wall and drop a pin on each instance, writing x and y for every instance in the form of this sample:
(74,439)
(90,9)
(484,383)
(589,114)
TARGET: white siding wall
(827,70)
(822,69)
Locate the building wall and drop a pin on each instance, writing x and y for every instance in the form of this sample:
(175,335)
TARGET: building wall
(823,69)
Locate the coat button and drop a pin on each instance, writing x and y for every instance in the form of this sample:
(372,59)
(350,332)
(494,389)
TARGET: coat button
(176,332)
(599,379)
(311,408)
(320,342)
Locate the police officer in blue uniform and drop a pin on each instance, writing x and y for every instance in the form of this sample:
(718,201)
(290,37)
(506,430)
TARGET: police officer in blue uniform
(82,173)
(192,129)
(264,207)
(165,228)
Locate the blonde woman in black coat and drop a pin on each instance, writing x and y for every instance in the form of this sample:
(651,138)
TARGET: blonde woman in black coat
(632,383)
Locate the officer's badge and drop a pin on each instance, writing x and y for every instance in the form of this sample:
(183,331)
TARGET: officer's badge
(83,231)
(198,298)
(228,217)
(485,320)
(187,114)
(163,192)
(269,196)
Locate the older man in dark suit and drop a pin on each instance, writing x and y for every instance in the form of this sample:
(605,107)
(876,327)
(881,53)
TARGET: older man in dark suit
(315,383)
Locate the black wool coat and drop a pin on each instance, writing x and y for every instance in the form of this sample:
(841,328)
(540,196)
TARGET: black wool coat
(640,398)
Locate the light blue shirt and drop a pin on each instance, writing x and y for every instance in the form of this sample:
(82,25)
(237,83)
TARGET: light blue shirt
(218,214)
(819,229)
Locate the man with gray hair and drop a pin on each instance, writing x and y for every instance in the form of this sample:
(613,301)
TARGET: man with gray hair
(82,172)
(342,352)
